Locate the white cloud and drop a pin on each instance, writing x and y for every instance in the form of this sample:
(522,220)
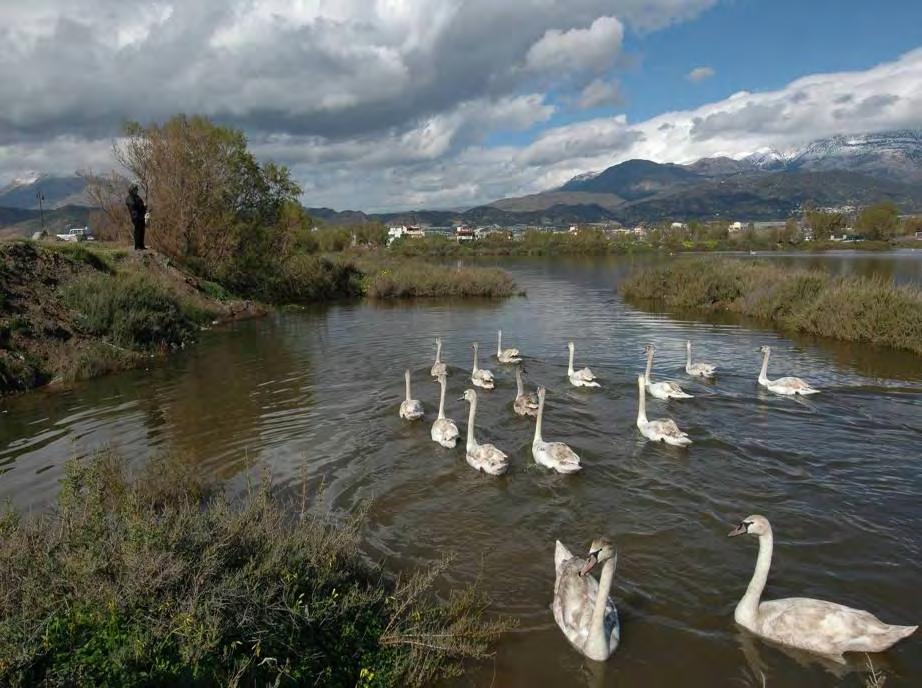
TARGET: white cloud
(600,93)
(594,48)
(700,74)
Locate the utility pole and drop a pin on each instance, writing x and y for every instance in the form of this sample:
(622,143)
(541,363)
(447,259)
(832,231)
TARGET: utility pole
(41,208)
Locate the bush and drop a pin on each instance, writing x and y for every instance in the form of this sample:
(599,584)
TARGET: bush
(162,581)
(407,278)
(131,310)
(855,309)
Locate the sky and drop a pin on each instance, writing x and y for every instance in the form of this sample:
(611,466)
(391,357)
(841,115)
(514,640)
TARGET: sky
(384,105)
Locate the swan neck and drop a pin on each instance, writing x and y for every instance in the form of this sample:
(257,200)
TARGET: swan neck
(763,375)
(540,418)
(747,610)
(642,405)
(470,424)
(597,623)
(475,359)
(499,342)
(688,356)
(646,375)
(407,381)
(570,365)
(443,385)
(519,385)
(438,352)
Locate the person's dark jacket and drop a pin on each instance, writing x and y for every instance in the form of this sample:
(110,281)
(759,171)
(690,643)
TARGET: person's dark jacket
(136,207)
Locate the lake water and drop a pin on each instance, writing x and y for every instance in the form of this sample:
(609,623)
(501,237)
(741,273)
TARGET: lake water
(839,474)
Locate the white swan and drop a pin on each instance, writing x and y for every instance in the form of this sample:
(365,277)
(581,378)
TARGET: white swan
(661,390)
(662,430)
(582,608)
(525,404)
(438,368)
(817,626)
(483,457)
(697,369)
(506,355)
(444,431)
(556,455)
(783,385)
(479,376)
(579,378)
(410,409)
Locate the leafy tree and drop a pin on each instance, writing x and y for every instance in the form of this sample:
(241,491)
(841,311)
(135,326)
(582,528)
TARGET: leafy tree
(824,225)
(879,221)
(913,224)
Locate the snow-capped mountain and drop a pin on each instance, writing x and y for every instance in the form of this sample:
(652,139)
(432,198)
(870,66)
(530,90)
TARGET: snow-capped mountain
(57,191)
(893,155)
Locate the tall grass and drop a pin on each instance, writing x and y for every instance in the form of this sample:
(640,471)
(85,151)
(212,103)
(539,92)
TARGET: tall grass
(396,278)
(857,309)
(161,580)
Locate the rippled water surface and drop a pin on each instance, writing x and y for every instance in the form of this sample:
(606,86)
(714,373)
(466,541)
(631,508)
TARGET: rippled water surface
(838,474)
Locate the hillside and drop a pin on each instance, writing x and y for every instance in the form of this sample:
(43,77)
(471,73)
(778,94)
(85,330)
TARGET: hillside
(18,222)
(58,191)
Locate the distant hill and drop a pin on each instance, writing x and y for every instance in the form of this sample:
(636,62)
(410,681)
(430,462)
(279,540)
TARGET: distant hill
(20,222)
(633,179)
(58,192)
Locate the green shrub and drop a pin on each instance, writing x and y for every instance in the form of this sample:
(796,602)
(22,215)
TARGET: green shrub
(163,581)
(410,278)
(131,310)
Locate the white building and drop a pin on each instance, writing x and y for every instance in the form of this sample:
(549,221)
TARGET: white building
(678,225)
(735,227)
(401,231)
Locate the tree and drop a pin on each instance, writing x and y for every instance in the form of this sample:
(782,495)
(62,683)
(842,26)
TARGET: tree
(879,221)
(913,224)
(824,225)
(790,232)
(213,206)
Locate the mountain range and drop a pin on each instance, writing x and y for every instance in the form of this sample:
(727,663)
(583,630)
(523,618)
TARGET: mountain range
(767,184)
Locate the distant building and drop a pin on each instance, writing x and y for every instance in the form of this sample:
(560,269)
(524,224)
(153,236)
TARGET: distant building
(918,235)
(678,226)
(574,229)
(735,227)
(463,233)
(401,231)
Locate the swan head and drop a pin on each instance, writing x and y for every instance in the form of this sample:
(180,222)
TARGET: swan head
(752,525)
(688,345)
(541,393)
(438,341)
(648,348)
(600,551)
(765,349)
(475,346)
(571,346)
(470,396)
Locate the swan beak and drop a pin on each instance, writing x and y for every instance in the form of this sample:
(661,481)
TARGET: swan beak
(740,529)
(590,563)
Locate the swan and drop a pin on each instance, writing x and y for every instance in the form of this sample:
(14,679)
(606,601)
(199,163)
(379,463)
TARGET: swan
(582,608)
(661,390)
(444,431)
(506,355)
(697,369)
(783,385)
(662,430)
(479,376)
(524,404)
(410,409)
(579,378)
(483,457)
(438,368)
(818,626)
(556,455)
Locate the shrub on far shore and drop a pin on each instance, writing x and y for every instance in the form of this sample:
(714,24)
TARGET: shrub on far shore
(411,278)
(856,309)
(163,581)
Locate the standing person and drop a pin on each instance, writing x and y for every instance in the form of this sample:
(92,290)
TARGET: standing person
(138,212)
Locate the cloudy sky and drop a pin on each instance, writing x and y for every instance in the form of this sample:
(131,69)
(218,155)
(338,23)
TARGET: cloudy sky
(396,104)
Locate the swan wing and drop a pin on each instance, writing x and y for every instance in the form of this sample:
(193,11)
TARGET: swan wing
(701,369)
(584,374)
(826,627)
(411,409)
(793,385)
(674,391)
(561,554)
(445,432)
(574,597)
(439,369)
(562,458)
(526,405)
(665,430)
(489,459)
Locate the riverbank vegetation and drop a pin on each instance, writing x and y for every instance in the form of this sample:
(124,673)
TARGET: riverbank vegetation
(161,580)
(388,278)
(856,309)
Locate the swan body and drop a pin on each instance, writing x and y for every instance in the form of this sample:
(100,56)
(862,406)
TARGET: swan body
(555,455)
(444,431)
(661,390)
(783,385)
(480,377)
(662,430)
(438,368)
(697,369)
(483,457)
(580,378)
(506,355)
(525,404)
(582,607)
(817,626)
(410,409)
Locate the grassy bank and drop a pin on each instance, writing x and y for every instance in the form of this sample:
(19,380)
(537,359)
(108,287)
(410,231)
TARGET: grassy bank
(386,277)
(68,312)
(855,309)
(160,580)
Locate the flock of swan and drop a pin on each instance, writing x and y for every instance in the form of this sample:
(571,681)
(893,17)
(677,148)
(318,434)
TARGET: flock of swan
(582,606)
